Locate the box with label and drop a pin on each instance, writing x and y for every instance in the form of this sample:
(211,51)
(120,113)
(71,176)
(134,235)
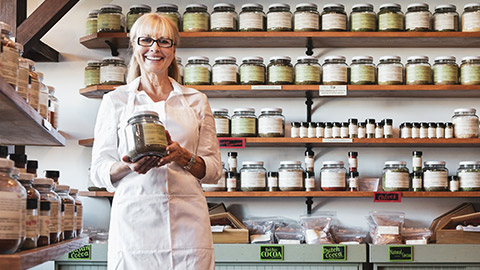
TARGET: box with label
(450,235)
(237,234)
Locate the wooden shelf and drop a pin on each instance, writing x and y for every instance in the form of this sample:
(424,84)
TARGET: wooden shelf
(30,258)
(95,194)
(21,124)
(299,39)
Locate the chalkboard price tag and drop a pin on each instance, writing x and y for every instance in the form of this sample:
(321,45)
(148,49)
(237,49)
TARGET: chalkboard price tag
(400,253)
(81,254)
(271,253)
(387,197)
(334,253)
(232,142)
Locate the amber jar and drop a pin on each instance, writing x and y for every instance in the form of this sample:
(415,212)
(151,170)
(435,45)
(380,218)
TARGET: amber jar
(68,207)
(78,212)
(47,193)
(32,212)
(8,55)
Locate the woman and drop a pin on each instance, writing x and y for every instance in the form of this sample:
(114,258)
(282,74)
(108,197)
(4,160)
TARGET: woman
(159,216)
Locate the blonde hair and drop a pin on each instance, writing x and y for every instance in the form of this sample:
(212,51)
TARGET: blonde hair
(152,24)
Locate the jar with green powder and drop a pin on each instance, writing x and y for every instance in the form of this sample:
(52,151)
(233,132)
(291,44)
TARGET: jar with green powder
(390,18)
(135,12)
(111,19)
(445,70)
(170,11)
(418,18)
(252,70)
(92,22)
(223,18)
(280,70)
(362,70)
(308,70)
(196,18)
(244,122)
(470,70)
(197,71)
(445,18)
(418,70)
(363,18)
(92,72)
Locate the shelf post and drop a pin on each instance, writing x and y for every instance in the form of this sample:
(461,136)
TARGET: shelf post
(309,203)
(113,47)
(309,46)
(309,103)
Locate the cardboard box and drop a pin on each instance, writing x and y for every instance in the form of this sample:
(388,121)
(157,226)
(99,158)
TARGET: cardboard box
(237,235)
(449,235)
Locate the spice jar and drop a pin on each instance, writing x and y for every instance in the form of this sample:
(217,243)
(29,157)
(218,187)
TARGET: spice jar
(390,70)
(370,128)
(445,70)
(42,97)
(304,130)
(415,130)
(91,24)
(363,18)
(44,222)
(418,71)
(417,161)
(290,176)
(390,18)
(417,17)
(362,130)
(453,183)
(432,130)
(272,181)
(335,70)
(309,180)
(23,230)
(221,185)
(308,70)
(423,130)
(379,130)
(136,11)
(306,17)
(320,130)
(110,19)
(417,184)
(8,55)
(344,130)
(448,130)
(78,224)
(232,181)
(232,161)
(445,18)
(312,130)
(280,70)
(244,122)
(47,194)
(440,132)
(352,161)
(145,135)
(180,69)
(223,18)
(406,130)
(309,160)
(353,128)
(388,128)
(33,86)
(471,18)
(196,18)
(170,11)
(197,71)
(336,128)
(465,123)
(395,176)
(470,70)
(332,176)
(113,70)
(222,122)
(362,70)
(295,130)
(32,211)
(279,17)
(328,130)
(469,175)
(92,72)
(22,74)
(252,70)
(353,181)
(252,18)
(271,123)
(225,71)
(435,176)
(68,207)
(334,18)
(253,176)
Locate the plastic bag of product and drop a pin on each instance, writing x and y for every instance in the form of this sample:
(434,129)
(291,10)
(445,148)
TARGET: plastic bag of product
(416,236)
(260,229)
(385,227)
(288,231)
(348,236)
(317,228)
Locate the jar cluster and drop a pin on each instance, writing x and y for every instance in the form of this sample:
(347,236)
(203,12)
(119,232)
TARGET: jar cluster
(109,71)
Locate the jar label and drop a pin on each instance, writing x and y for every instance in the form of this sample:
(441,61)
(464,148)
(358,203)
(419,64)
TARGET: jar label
(378,132)
(252,73)
(390,73)
(268,125)
(469,179)
(309,162)
(454,185)
(22,82)
(310,182)
(92,77)
(415,20)
(10,215)
(224,73)
(363,20)
(444,21)
(253,179)
(195,21)
(195,74)
(332,179)
(232,164)
(112,21)
(31,223)
(433,179)
(334,73)
(353,182)
(280,74)
(220,184)
(222,20)
(112,73)
(306,20)
(471,21)
(33,93)
(243,126)
(290,179)
(9,66)
(415,132)
(396,179)
(416,162)
(55,221)
(432,132)
(445,73)
(362,73)
(470,74)
(45,225)
(416,182)
(320,131)
(422,73)
(334,21)
(251,20)
(222,125)
(335,132)
(91,26)
(394,230)
(307,73)
(272,181)
(390,20)
(465,127)
(68,215)
(153,134)
(231,183)
(79,223)
(440,132)
(352,162)
(279,20)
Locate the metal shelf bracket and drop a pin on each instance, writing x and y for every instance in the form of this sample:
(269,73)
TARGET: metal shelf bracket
(113,48)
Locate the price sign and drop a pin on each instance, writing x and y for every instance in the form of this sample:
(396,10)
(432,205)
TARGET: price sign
(334,253)
(332,90)
(400,253)
(232,142)
(266,87)
(81,254)
(387,197)
(271,253)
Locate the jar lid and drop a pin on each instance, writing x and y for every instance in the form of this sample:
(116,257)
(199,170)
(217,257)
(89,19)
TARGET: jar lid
(43,181)
(19,158)
(279,110)
(194,58)
(62,187)
(272,174)
(32,164)
(390,57)
(111,6)
(440,58)
(334,57)
(224,5)
(417,153)
(469,162)
(202,6)
(330,162)
(302,58)
(290,162)
(144,113)
(25,176)
(334,5)
(415,5)
(465,110)
(94,62)
(52,174)
(301,5)
(167,5)
(94,12)
(252,5)
(417,57)
(435,162)
(471,5)
(468,58)
(390,5)
(252,58)
(353,154)
(113,58)
(279,5)
(446,6)
(232,154)
(391,162)
(143,6)
(252,163)
(244,110)
(73,191)
(274,58)
(221,110)
(5,26)
(225,58)
(362,5)
(362,57)
(15,171)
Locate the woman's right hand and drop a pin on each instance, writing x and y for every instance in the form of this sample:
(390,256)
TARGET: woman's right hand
(143,165)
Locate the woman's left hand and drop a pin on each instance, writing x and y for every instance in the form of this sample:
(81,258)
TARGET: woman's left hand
(176,153)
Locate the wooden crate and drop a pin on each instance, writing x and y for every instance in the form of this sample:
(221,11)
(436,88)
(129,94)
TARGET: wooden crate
(449,235)
(238,235)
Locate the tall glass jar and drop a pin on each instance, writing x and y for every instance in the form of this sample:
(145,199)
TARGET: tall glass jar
(418,18)
(47,193)
(223,18)
(279,18)
(470,70)
(333,176)
(445,70)
(363,18)
(390,18)
(135,12)
(113,70)
(180,70)
(252,18)
(435,176)
(471,18)
(252,70)
(8,55)
(445,18)
(335,70)
(221,185)
(362,70)
(53,107)
(290,176)
(395,176)
(68,207)
(271,123)
(42,97)
(222,122)
(32,211)
(390,70)
(44,222)
(33,86)
(92,72)
(111,19)
(196,18)
(197,71)
(308,70)
(334,18)
(418,71)
(244,122)
(91,24)
(22,74)
(469,175)
(280,70)
(79,212)
(170,11)
(465,123)
(253,176)
(225,71)
(306,17)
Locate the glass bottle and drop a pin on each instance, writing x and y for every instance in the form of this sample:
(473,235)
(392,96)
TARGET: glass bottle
(448,130)
(353,128)
(44,221)
(113,70)
(23,230)
(328,130)
(363,18)
(440,130)
(334,18)
(280,70)
(79,212)
(272,181)
(388,128)
(320,130)
(197,71)
(244,122)
(304,130)
(306,18)
(135,12)
(196,18)
(8,55)
(253,176)
(91,24)
(232,161)
(470,70)
(308,70)
(92,72)
(225,71)
(396,176)
(353,181)
(453,183)
(406,130)
(362,70)
(435,176)
(416,130)
(309,180)
(336,129)
(271,123)
(22,74)
(352,161)
(417,161)
(68,212)
(53,107)
(180,69)
(432,130)
(418,71)
(309,160)
(295,130)
(465,123)
(469,175)
(221,185)
(445,70)
(42,97)
(344,130)
(418,18)
(417,182)
(33,86)
(379,133)
(290,176)
(222,122)
(471,18)
(445,18)
(390,70)
(335,70)
(279,18)
(111,19)
(252,70)
(223,18)
(312,130)
(232,181)
(32,211)
(370,128)
(252,18)
(332,176)
(170,11)
(362,130)
(423,130)
(390,18)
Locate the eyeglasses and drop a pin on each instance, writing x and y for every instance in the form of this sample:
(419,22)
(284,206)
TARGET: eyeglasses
(161,42)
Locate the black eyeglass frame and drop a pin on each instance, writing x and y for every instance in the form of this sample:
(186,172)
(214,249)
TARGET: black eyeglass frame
(157,41)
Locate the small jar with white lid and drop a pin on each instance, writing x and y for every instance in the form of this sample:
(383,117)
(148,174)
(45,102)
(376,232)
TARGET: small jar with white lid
(252,18)
(445,18)
(225,71)
(390,70)
(334,18)
(271,123)
(290,176)
(418,71)
(113,70)
(470,70)
(135,12)
(308,70)
(279,18)
(92,22)
(223,18)
(222,122)
(363,18)
(180,69)
(390,18)
(244,122)
(320,130)
(221,185)
(253,176)
(418,18)
(111,19)
(435,176)
(440,130)
(252,71)
(465,123)
(469,175)
(196,18)
(197,71)
(445,70)
(471,18)
(332,176)
(306,17)
(396,176)
(280,70)
(170,11)
(448,130)
(362,70)
(335,70)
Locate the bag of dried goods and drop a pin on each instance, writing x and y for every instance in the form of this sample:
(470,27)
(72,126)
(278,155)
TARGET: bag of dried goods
(260,229)
(385,227)
(317,228)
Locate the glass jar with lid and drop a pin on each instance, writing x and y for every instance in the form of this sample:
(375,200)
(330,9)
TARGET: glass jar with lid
(221,185)
(42,97)
(8,55)
(334,18)
(295,130)
(432,130)
(53,107)
(33,86)
(47,194)
(353,128)
(362,130)
(333,176)
(363,18)
(68,207)
(280,70)
(440,130)
(92,72)
(197,71)
(362,70)
(308,70)
(111,19)
(417,182)
(22,73)
(306,17)
(223,18)
(225,71)
(435,176)
(290,176)
(445,18)
(196,18)
(170,11)
(418,18)
(135,12)
(79,212)
(252,18)
(335,70)
(32,211)
(222,122)
(406,130)
(395,176)
(445,70)
(113,70)
(92,22)
(471,18)
(244,122)
(388,128)
(418,71)
(469,175)
(415,130)
(390,18)
(320,130)
(279,17)
(448,130)
(470,70)
(252,70)
(465,123)
(390,70)
(271,123)
(253,176)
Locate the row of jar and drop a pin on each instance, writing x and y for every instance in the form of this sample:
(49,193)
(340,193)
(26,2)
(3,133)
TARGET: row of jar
(351,129)
(20,73)
(306,17)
